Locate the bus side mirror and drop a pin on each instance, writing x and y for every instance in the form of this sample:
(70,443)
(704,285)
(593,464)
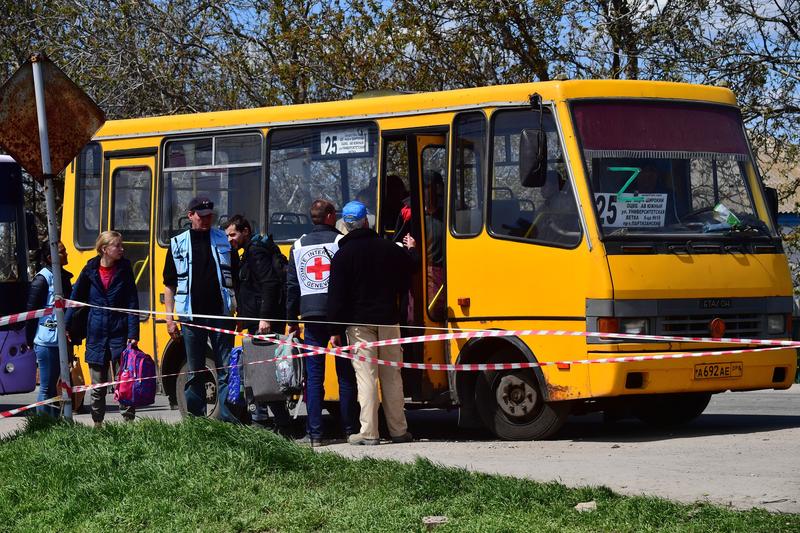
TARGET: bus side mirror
(30,230)
(532,158)
(772,202)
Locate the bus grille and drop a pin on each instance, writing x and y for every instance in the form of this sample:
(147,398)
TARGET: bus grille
(739,325)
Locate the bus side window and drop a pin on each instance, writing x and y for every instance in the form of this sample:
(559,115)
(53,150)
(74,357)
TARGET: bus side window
(467,195)
(226,167)
(396,187)
(545,215)
(87,192)
(337,162)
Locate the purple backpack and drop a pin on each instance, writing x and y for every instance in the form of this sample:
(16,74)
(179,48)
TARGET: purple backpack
(137,371)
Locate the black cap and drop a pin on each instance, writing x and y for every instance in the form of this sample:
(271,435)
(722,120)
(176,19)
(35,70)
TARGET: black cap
(201,205)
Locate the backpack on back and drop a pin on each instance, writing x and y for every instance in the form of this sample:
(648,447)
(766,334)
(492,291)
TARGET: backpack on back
(137,373)
(280,263)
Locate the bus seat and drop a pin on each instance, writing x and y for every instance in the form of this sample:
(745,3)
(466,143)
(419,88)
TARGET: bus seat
(284,226)
(288,232)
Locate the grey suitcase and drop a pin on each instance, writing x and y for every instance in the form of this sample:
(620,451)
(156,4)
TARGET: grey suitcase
(260,380)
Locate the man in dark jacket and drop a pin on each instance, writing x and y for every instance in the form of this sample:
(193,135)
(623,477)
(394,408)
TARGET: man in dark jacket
(307,288)
(368,277)
(261,294)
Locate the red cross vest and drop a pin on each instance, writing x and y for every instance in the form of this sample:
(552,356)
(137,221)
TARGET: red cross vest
(313,264)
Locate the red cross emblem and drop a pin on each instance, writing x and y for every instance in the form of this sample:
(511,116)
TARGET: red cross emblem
(318,269)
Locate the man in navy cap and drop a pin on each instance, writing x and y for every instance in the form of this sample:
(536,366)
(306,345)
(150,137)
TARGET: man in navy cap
(198,280)
(368,276)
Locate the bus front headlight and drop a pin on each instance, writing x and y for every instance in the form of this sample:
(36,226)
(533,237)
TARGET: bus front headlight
(634,326)
(776,324)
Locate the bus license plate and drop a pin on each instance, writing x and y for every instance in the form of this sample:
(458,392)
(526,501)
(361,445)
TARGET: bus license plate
(718,370)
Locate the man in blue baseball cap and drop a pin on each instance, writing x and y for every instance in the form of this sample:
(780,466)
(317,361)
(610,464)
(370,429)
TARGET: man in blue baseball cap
(368,275)
(354,211)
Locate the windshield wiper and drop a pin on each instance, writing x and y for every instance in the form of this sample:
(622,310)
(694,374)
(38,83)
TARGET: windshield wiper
(744,229)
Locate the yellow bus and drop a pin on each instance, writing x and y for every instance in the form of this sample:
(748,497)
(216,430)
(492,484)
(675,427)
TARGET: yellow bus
(599,206)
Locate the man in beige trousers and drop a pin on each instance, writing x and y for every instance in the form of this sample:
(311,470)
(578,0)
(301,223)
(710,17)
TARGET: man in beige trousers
(368,275)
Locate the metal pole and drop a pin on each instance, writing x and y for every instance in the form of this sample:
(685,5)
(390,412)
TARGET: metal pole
(52,229)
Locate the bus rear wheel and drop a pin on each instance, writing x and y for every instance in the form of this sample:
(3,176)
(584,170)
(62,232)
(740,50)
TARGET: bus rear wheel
(209,376)
(511,405)
(668,410)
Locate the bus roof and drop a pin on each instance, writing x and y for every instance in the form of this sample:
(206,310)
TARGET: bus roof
(411,104)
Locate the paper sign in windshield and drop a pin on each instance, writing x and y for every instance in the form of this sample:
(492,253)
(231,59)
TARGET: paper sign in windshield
(347,141)
(639,211)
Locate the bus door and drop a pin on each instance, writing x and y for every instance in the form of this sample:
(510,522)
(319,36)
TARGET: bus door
(418,162)
(130,213)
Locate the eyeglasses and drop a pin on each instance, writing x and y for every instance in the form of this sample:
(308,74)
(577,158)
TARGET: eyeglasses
(204,205)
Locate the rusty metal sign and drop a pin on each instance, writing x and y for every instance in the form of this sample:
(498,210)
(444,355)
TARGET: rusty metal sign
(72,117)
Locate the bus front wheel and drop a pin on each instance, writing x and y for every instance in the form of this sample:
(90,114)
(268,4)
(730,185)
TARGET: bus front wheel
(209,377)
(511,406)
(666,410)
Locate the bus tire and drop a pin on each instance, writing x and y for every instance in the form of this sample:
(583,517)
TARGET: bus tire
(511,405)
(210,378)
(669,410)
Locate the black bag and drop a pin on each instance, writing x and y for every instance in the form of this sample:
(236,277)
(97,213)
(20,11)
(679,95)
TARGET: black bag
(78,325)
(260,379)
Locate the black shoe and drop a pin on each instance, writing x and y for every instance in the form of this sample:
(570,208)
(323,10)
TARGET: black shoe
(405,437)
(285,432)
(263,424)
(314,442)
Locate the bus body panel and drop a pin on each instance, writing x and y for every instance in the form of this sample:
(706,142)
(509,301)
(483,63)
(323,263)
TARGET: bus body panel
(700,276)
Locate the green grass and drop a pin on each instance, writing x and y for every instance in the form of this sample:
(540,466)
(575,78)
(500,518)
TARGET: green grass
(201,475)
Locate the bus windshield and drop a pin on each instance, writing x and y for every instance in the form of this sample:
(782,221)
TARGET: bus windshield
(667,168)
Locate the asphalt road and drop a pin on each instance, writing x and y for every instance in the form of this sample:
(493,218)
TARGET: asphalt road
(744,451)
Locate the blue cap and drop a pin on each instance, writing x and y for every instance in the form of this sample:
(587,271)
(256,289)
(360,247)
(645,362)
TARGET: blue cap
(353,211)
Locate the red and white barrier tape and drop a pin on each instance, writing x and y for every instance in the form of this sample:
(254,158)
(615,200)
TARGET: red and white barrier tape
(345,351)
(38,313)
(459,334)
(86,388)
(27,315)
(473,333)
(477,367)
(18,410)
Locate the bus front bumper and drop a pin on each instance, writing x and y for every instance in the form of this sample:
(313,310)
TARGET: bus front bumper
(745,371)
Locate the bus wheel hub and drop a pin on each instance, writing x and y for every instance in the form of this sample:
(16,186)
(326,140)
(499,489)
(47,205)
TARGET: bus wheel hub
(515,397)
(211,392)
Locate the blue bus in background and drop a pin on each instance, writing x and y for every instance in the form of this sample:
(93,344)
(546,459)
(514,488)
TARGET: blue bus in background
(17,361)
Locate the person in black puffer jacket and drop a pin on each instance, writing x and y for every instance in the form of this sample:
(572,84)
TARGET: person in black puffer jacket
(107,280)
